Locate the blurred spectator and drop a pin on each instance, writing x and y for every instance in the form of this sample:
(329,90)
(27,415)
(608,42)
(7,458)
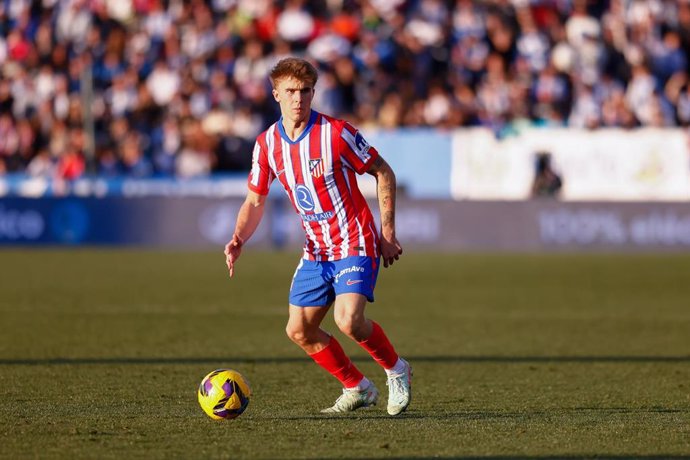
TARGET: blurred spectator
(683,104)
(178,87)
(71,163)
(134,162)
(546,182)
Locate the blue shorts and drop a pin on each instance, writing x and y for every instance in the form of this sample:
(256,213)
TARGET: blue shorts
(316,284)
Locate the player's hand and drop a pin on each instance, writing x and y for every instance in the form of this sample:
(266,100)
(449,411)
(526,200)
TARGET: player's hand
(232,252)
(390,249)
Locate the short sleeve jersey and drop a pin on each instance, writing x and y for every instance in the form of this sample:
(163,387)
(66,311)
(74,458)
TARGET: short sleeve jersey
(318,172)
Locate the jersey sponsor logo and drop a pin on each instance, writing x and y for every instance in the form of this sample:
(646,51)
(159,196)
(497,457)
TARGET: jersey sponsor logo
(316,168)
(345,271)
(303,198)
(319,216)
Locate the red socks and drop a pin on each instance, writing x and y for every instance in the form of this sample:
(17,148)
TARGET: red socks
(380,348)
(335,361)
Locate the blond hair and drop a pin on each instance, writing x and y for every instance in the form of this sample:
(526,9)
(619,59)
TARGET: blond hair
(296,68)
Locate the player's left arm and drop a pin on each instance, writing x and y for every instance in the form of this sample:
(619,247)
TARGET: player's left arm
(385,189)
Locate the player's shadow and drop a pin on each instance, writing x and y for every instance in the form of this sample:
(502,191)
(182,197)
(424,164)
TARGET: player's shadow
(443,359)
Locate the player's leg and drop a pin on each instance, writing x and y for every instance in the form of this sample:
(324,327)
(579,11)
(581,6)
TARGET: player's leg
(310,299)
(304,328)
(311,295)
(355,282)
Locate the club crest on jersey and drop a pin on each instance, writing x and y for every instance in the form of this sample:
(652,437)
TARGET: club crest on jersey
(316,168)
(303,198)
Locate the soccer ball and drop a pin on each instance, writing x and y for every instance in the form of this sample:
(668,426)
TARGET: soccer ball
(224,394)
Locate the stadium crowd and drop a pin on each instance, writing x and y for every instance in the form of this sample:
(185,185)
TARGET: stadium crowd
(179,88)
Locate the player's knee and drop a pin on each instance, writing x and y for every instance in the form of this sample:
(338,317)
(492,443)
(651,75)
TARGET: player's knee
(350,326)
(297,335)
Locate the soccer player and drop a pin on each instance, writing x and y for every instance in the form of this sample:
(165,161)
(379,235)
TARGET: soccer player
(316,158)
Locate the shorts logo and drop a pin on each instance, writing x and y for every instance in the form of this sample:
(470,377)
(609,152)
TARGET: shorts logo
(345,271)
(303,198)
(316,168)
(353,282)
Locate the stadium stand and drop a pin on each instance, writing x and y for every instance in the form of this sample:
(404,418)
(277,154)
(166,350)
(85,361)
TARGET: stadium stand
(176,88)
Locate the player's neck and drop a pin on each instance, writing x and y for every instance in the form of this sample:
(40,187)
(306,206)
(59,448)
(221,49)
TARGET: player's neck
(294,128)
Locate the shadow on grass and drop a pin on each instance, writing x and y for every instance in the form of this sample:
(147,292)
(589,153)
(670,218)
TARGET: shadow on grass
(224,360)
(554,457)
(468,414)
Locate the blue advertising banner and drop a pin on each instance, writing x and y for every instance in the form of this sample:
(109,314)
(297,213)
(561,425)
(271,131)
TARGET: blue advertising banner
(116,221)
(533,225)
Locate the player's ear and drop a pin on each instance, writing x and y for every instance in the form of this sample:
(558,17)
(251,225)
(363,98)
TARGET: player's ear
(275,95)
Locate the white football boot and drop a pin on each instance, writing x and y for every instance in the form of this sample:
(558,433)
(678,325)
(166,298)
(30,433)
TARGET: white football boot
(354,399)
(399,390)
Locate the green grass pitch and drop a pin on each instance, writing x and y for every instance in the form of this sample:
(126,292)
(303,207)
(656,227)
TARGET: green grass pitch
(534,356)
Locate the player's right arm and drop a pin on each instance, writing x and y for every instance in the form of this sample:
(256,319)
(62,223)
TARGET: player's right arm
(252,210)
(248,219)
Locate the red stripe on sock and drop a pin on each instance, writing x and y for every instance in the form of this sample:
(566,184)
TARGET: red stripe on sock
(335,361)
(380,348)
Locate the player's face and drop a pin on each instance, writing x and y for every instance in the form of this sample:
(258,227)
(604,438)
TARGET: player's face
(294,97)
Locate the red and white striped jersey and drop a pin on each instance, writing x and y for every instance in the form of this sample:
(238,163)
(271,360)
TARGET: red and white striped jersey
(318,173)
